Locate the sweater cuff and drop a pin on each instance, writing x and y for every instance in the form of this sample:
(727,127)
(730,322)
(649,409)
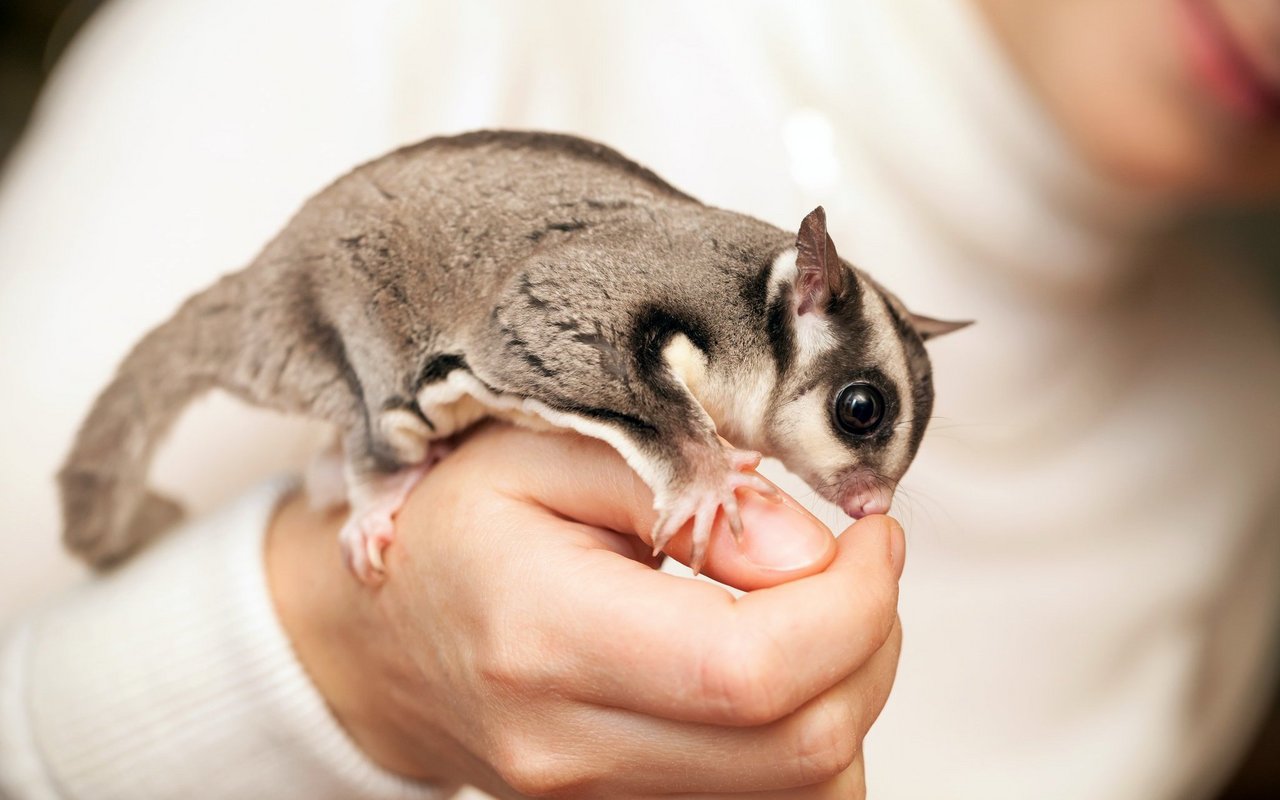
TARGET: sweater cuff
(172,677)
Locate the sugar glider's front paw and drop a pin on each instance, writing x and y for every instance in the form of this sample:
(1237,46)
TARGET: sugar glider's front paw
(371,526)
(712,489)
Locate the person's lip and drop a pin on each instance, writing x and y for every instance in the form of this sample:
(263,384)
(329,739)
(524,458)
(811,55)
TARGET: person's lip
(1222,63)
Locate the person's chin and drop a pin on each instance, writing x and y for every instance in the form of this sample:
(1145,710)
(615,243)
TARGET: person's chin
(1180,152)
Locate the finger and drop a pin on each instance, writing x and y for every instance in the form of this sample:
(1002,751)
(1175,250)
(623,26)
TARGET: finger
(781,541)
(695,653)
(587,481)
(810,746)
(848,785)
(612,752)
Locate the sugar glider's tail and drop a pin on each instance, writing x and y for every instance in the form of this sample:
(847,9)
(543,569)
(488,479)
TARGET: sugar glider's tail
(108,511)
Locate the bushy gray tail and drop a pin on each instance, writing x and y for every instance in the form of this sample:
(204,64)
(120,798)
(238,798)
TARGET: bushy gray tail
(108,512)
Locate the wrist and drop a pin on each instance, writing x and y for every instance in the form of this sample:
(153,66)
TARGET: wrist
(333,624)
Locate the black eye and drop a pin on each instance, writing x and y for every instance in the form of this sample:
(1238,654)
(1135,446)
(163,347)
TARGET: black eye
(859,409)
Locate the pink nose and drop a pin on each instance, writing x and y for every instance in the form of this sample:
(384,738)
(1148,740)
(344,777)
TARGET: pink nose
(864,504)
(876,505)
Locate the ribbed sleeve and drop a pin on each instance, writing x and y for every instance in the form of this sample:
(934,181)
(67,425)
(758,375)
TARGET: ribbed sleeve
(172,678)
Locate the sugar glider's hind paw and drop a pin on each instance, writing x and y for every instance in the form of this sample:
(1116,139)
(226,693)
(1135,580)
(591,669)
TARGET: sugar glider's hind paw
(703,498)
(371,528)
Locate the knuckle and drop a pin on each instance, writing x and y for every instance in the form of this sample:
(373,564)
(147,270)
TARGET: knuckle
(514,665)
(499,667)
(744,681)
(533,771)
(827,740)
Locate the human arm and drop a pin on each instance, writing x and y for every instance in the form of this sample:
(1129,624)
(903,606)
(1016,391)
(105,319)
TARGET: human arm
(172,678)
(520,642)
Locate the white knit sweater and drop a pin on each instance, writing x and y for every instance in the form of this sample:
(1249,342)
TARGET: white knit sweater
(173,679)
(1090,601)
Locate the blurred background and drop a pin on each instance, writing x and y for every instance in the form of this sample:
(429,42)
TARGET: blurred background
(34,34)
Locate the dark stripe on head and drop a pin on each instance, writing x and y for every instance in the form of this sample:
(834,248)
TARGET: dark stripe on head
(845,309)
(922,384)
(919,370)
(754,285)
(782,336)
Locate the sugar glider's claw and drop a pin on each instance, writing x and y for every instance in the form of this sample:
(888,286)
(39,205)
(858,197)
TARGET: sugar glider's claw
(702,501)
(370,528)
(662,532)
(764,488)
(374,548)
(734,516)
(670,522)
(744,460)
(702,521)
(363,539)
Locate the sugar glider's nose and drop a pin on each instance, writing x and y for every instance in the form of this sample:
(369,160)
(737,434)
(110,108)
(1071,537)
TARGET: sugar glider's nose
(867,500)
(876,505)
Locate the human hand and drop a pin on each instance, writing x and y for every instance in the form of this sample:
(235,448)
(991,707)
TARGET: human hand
(523,643)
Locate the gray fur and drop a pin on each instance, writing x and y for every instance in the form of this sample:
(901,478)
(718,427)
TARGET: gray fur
(548,267)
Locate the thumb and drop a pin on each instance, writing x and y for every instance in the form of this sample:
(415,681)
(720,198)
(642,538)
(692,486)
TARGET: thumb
(781,541)
(587,481)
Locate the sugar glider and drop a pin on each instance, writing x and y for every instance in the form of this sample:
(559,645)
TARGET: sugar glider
(543,279)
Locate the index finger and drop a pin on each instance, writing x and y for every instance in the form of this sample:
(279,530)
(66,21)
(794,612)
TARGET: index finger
(688,650)
(587,481)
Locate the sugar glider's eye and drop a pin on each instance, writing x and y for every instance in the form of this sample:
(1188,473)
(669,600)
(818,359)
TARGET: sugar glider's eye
(859,409)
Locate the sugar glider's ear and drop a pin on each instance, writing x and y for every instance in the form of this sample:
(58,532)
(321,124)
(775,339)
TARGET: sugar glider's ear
(930,328)
(820,277)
